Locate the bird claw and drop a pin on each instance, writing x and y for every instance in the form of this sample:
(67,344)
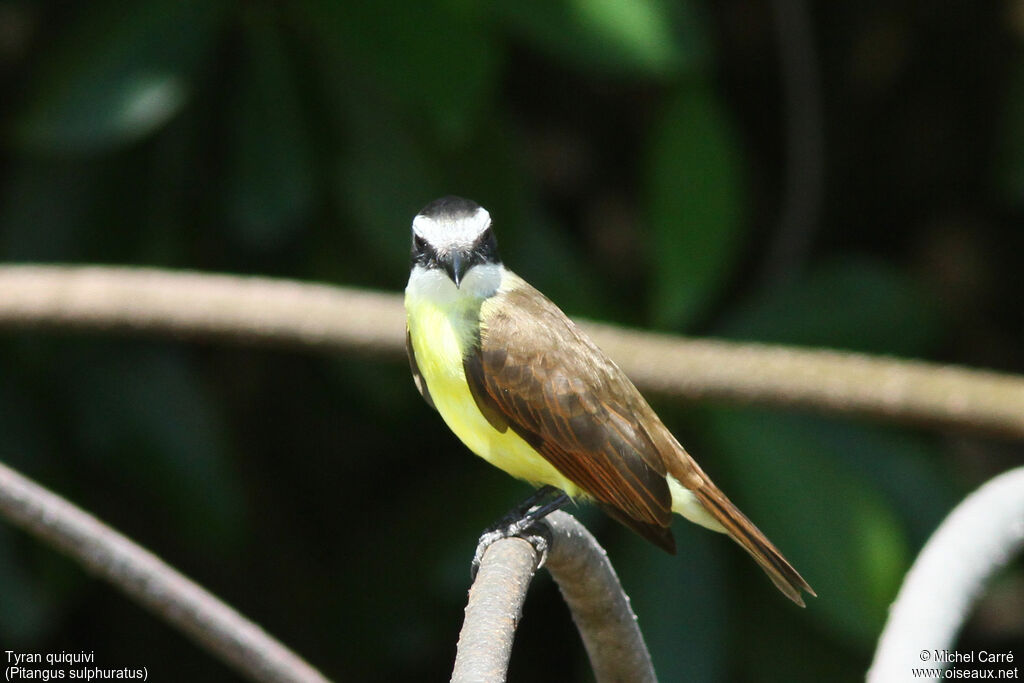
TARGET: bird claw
(525,521)
(535,532)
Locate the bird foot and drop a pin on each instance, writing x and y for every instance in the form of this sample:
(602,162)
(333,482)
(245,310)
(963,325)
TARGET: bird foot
(525,521)
(537,534)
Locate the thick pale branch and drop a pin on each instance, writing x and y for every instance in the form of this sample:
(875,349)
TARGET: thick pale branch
(181,303)
(591,589)
(976,540)
(286,313)
(493,611)
(827,381)
(149,581)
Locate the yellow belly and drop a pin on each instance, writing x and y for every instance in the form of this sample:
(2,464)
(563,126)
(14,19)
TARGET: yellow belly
(438,346)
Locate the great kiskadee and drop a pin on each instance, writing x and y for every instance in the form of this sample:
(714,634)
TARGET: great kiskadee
(525,389)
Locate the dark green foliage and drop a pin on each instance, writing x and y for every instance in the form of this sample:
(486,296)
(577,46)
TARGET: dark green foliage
(632,155)
(695,205)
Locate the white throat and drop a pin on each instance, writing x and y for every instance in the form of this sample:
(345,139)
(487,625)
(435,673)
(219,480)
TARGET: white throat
(433,284)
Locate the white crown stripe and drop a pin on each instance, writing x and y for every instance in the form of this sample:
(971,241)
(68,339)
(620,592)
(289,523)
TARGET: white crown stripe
(450,234)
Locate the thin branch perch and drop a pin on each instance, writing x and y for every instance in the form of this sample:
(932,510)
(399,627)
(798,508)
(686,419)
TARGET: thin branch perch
(980,537)
(598,604)
(149,581)
(591,589)
(287,313)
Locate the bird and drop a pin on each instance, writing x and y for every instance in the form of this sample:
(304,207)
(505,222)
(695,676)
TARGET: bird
(524,388)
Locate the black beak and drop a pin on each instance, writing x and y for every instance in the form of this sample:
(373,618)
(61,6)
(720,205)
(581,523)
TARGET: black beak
(456,266)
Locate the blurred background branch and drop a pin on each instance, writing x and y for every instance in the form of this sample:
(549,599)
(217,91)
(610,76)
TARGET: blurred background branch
(976,541)
(150,582)
(285,313)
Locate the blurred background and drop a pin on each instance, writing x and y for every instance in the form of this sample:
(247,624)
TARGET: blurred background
(846,175)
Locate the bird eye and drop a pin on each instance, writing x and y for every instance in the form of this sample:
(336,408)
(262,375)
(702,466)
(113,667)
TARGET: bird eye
(486,244)
(419,244)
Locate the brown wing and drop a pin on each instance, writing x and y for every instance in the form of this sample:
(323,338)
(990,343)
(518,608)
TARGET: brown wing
(538,374)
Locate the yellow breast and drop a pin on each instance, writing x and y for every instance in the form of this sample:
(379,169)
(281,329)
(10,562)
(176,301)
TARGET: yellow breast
(439,332)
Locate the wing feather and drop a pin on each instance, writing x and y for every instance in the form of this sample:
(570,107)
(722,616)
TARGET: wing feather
(535,372)
(542,377)
(417,376)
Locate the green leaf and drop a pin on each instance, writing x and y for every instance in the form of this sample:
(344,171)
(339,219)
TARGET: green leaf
(854,304)
(270,182)
(832,523)
(435,58)
(653,38)
(121,73)
(695,200)
(904,466)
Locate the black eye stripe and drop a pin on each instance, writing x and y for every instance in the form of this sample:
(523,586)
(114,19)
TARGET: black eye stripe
(423,252)
(485,242)
(483,250)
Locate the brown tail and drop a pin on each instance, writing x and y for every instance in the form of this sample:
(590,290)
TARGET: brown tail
(743,531)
